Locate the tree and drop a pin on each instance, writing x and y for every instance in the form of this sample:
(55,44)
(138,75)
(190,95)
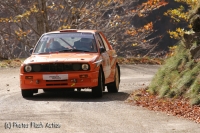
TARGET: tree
(22,22)
(181,15)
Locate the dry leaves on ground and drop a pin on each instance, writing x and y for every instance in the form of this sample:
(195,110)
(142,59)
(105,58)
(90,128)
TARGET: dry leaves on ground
(11,63)
(172,106)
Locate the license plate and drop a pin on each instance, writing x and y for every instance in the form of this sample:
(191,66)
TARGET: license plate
(55,76)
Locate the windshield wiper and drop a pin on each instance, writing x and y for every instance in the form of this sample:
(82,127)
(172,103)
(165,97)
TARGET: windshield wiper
(79,50)
(65,50)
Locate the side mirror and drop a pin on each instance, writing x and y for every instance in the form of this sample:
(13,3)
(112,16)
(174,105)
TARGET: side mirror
(102,49)
(31,51)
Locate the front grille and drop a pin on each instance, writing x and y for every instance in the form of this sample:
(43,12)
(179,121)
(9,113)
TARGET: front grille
(55,67)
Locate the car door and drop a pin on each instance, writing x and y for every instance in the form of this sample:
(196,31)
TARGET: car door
(105,58)
(112,57)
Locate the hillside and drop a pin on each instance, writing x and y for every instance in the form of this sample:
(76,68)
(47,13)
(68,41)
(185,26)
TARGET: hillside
(175,89)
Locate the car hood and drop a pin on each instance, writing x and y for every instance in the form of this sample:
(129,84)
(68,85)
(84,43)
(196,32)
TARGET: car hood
(62,57)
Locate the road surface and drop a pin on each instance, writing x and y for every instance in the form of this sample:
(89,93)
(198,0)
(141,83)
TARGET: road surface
(79,112)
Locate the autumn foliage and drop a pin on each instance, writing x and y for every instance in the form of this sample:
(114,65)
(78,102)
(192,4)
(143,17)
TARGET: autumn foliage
(181,15)
(22,22)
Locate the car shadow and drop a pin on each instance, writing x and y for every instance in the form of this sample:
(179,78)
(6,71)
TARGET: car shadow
(82,96)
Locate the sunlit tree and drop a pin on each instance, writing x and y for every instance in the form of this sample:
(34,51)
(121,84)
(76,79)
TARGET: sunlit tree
(181,15)
(22,22)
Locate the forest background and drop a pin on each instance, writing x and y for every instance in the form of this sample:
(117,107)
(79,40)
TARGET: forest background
(135,28)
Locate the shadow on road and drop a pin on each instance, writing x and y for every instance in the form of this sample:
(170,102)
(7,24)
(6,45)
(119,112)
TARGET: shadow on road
(79,96)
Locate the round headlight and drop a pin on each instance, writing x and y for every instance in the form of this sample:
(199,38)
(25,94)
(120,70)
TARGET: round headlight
(76,67)
(85,66)
(28,68)
(36,68)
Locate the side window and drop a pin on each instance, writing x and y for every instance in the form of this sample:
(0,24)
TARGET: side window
(105,43)
(99,40)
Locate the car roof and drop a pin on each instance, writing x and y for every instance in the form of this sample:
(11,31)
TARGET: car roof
(72,30)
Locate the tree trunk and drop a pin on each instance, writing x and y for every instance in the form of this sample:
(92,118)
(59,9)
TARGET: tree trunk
(41,17)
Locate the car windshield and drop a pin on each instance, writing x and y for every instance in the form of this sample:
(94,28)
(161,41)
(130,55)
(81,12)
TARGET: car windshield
(66,42)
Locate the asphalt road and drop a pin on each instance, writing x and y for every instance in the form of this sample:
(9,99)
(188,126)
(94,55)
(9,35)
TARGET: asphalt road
(79,112)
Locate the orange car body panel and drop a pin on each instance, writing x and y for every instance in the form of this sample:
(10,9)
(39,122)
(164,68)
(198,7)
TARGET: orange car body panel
(74,79)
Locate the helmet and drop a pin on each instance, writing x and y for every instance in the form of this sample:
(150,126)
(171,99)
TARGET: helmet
(86,40)
(84,44)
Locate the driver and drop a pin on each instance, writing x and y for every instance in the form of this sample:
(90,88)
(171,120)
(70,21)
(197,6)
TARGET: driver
(55,46)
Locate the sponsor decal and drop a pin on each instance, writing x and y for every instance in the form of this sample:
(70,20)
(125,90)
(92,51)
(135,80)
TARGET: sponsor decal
(55,76)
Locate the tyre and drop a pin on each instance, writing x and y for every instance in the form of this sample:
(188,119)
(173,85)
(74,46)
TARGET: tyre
(114,86)
(27,93)
(98,91)
(70,90)
(47,90)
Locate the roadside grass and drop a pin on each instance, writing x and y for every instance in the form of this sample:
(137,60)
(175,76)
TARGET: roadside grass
(194,92)
(178,77)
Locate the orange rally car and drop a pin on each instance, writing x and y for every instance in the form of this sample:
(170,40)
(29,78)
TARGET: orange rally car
(71,59)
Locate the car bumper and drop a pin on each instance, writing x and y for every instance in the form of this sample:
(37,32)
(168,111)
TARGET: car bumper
(36,80)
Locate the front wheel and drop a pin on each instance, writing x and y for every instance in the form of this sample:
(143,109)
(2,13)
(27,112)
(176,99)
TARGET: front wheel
(114,86)
(98,91)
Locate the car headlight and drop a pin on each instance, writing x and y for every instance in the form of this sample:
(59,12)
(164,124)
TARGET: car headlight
(28,68)
(85,66)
